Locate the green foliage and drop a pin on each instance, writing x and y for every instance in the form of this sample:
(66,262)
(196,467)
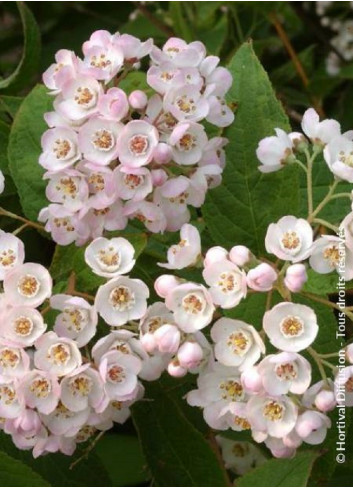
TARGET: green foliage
(29,63)
(15,473)
(24,150)
(240,210)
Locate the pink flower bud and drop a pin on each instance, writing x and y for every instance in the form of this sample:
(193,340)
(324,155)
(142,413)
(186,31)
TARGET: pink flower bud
(295,277)
(251,380)
(261,278)
(165,284)
(167,338)
(138,99)
(214,255)
(148,342)
(325,400)
(190,354)
(175,369)
(349,353)
(240,255)
(162,154)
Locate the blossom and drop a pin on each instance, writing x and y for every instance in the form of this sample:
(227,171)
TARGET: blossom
(82,388)
(237,343)
(113,104)
(133,183)
(40,390)
(69,189)
(78,99)
(289,239)
(312,427)
(77,319)
(186,103)
(28,284)
(63,70)
(119,373)
(240,456)
(136,143)
(12,252)
(14,361)
(60,149)
(295,277)
(110,257)
(98,140)
(274,152)
(56,355)
(319,132)
(191,305)
(291,327)
(285,372)
(186,252)
(22,325)
(187,141)
(227,283)
(122,299)
(339,159)
(179,53)
(325,254)
(261,278)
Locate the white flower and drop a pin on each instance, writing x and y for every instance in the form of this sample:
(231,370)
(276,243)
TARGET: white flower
(11,405)
(98,139)
(136,144)
(82,388)
(227,282)
(14,361)
(285,372)
(338,155)
(77,320)
(110,257)
(2,182)
(27,285)
(56,355)
(262,277)
(275,152)
(188,141)
(240,456)
(237,344)
(63,421)
(22,325)
(273,415)
(291,327)
(186,103)
(12,252)
(187,251)
(119,373)
(319,132)
(325,254)
(312,427)
(122,299)
(289,239)
(192,306)
(40,390)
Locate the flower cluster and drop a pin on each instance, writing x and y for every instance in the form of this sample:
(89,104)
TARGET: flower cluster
(54,393)
(111,156)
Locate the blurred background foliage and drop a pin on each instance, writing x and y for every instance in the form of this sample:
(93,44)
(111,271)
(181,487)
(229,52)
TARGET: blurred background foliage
(307,50)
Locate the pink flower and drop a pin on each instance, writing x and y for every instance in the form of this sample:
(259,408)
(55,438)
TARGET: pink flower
(103,59)
(319,132)
(227,283)
(186,252)
(262,277)
(186,103)
(23,326)
(136,143)
(138,99)
(60,149)
(98,140)
(113,104)
(68,188)
(274,152)
(148,213)
(40,390)
(188,141)
(12,253)
(296,277)
(56,355)
(79,98)
(133,183)
(110,257)
(63,70)
(82,388)
(179,53)
(312,426)
(119,373)
(27,285)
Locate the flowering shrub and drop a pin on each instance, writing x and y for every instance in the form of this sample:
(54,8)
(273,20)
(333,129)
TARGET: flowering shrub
(176,261)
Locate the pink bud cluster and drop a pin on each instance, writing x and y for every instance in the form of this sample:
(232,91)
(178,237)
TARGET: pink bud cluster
(111,156)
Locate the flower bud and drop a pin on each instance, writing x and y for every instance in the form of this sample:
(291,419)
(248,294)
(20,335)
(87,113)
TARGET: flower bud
(148,342)
(325,400)
(214,255)
(165,284)
(261,278)
(240,255)
(295,277)
(162,154)
(175,369)
(138,99)
(190,354)
(251,380)
(167,338)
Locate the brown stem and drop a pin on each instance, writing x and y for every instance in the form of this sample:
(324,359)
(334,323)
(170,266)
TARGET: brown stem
(70,289)
(4,212)
(215,448)
(89,297)
(154,20)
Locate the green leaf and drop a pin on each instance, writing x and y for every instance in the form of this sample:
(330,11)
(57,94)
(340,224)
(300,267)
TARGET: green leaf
(24,150)
(14,473)
(29,63)
(10,104)
(177,454)
(55,468)
(4,139)
(130,471)
(321,284)
(281,472)
(70,258)
(240,210)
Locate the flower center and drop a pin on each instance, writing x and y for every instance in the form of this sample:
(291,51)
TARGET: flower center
(9,358)
(122,298)
(7,395)
(273,411)
(232,390)
(243,423)
(240,450)
(81,386)
(68,186)
(7,258)
(138,145)
(28,286)
(123,347)
(194,303)
(133,181)
(154,323)
(65,223)
(332,255)
(291,241)
(239,342)
(23,326)
(187,142)
(116,374)
(75,319)
(346,158)
(186,104)
(286,371)
(292,326)
(100,61)
(85,433)
(85,97)
(62,149)
(109,258)
(103,140)
(40,387)
(96,180)
(59,354)
(229,282)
